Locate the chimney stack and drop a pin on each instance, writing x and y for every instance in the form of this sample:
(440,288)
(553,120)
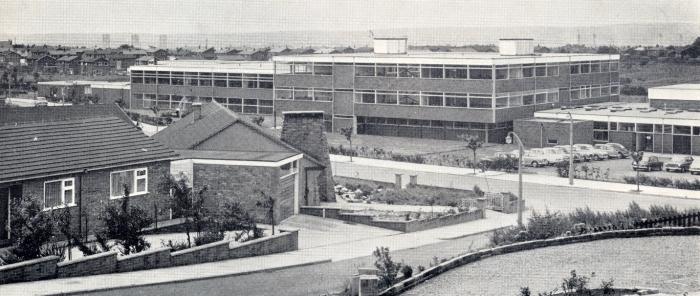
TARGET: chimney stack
(305,131)
(196,111)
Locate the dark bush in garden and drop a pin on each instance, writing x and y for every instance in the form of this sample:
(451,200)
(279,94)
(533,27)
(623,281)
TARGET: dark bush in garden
(478,191)
(123,225)
(32,228)
(407,271)
(563,169)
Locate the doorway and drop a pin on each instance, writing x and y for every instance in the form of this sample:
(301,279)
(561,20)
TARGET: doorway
(646,142)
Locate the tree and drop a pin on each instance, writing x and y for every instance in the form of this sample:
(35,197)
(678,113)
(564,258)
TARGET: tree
(387,268)
(258,120)
(187,204)
(347,132)
(31,229)
(473,143)
(123,226)
(268,202)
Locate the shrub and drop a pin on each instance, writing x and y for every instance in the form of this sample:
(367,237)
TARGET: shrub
(387,268)
(207,237)
(607,286)
(32,228)
(406,271)
(421,268)
(478,191)
(563,169)
(175,246)
(186,203)
(123,225)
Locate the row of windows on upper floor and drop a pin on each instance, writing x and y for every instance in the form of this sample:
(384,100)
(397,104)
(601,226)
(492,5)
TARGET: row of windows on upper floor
(438,71)
(238,105)
(477,126)
(646,128)
(233,80)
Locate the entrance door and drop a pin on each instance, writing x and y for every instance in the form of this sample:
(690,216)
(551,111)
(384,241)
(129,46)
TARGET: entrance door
(646,142)
(681,144)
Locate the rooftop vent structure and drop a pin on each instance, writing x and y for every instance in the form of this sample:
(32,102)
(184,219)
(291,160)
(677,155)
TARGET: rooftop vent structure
(516,46)
(390,45)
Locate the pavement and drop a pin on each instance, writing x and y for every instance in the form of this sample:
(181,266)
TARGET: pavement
(374,164)
(321,240)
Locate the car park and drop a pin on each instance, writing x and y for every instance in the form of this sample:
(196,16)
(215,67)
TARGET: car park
(555,155)
(648,163)
(578,157)
(612,153)
(592,152)
(679,163)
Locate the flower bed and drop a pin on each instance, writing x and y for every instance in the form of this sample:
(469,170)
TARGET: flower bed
(378,192)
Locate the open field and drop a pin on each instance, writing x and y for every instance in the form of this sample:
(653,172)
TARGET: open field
(657,74)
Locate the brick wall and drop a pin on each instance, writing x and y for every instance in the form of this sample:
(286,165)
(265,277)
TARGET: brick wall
(89,265)
(205,253)
(529,132)
(92,194)
(284,242)
(153,258)
(306,132)
(30,270)
(237,183)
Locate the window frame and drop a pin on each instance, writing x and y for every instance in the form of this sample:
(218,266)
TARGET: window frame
(63,192)
(294,168)
(135,179)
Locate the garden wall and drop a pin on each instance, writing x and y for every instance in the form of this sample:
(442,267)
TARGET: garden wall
(30,270)
(108,262)
(403,226)
(529,245)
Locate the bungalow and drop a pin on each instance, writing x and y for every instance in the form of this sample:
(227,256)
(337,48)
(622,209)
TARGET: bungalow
(145,60)
(78,158)
(95,66)
(68,64)
(11,57)
(240,161)
(206,54)
(45,64)
(160,54)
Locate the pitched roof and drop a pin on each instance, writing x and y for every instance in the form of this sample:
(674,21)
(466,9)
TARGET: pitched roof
(37,150)
(17,116)
(67,58)
(187,133)
(236,155)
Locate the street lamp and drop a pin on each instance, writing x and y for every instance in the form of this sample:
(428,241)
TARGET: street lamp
(509,140)
(571,149)
(637,157)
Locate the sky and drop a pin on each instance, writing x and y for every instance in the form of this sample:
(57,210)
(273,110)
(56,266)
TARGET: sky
(19,17)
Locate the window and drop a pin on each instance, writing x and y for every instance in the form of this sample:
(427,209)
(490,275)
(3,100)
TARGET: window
(432,71)
(553,97)
(501,73)
(409,98)
(528,100)
(604,67)
(365,96)
(303,94)
(479,101)
(410,71)
(528,70)
(456,100)
(575,68)
(681,130)
(289,169)
(515,100)
(135,180)
(552,70)
(250,106)
(501,102)
(647,128)
(136,78)
(613,66)
(283,94)
(250,80)
(456,72)
(387,97)
(302,68)
(192,79)
(552,141)
(387,70)
(264,81)
(600,136)
(432,99)
(585,68)
(480,73)
(366,70)
(696,131)
(540,70)
(625,126)
(323,69)
(667,128)
(178,78)
(595,67)
(515,71)
(234,80)
(600,125)
(541,98)
(265,106)
(325,95)
(205,79)
(220,79)
(149,77)
(59,193)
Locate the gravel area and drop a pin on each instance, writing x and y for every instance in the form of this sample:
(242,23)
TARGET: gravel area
(667,263)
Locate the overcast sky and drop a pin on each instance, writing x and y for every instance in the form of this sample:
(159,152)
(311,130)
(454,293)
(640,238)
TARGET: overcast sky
(235,16)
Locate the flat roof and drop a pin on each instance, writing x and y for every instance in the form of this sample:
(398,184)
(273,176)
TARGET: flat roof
(686,92)
(625,112)
(450,58)
(214,66)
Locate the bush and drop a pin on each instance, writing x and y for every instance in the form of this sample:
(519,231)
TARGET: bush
(387,268)
(421,268)
(478,191)
(406,271)
(207,237)
(176,246)
(563,169)
(123,225)
(32,228)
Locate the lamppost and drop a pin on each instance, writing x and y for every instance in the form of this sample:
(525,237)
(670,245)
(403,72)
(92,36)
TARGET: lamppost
(637,157)
(571,148)
(509,140)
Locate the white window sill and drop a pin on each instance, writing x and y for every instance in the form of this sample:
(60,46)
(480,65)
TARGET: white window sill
(287,175)
(130,195)
(60,207)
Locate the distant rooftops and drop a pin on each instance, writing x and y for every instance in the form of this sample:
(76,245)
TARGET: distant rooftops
(245,67)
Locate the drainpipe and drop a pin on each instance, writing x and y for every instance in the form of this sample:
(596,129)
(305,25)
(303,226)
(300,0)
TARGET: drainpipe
(80,204)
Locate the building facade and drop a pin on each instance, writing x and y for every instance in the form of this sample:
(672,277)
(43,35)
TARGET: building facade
(396,93)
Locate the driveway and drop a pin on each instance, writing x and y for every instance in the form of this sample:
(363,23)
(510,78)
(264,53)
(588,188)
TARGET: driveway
(317,231)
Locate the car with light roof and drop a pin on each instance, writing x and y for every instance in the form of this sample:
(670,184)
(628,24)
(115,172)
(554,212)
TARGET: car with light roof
(678,163)
(648,163)
(592,152)
(531,159)
(612,153)
(695,167)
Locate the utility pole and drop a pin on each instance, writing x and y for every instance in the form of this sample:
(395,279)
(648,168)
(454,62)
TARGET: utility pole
(571,149)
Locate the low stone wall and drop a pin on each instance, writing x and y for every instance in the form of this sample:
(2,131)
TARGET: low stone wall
(30,270)
(95,264)
(108,262)
(403,226)
(529,245)
(285,242)
(154,258)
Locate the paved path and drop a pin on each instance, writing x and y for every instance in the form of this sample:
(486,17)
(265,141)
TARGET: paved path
(320,245)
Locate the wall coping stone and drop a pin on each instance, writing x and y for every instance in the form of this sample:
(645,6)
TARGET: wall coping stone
(144,253)
(262,239)
(88,258)
(202,247)
(28,262)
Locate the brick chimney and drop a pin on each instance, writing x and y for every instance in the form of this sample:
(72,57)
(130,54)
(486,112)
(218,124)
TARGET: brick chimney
(305,131)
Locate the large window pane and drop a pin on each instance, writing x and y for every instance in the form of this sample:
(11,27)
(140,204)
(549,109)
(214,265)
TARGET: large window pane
(409,98)
(365,70)
(303,94)
(323,69)
(456,72)
(501,73)
(386,70)
(432,99)
(479,101)
(386,97)
(432,71)
(480,73)
(52,194)
(456,100)
(411,71)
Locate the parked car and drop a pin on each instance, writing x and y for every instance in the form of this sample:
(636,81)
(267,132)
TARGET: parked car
(648,163)
(578,157)
(612,153)
(592,152)
(530,159)
(678,164)
(694,167)
(555,155)
(624,152)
